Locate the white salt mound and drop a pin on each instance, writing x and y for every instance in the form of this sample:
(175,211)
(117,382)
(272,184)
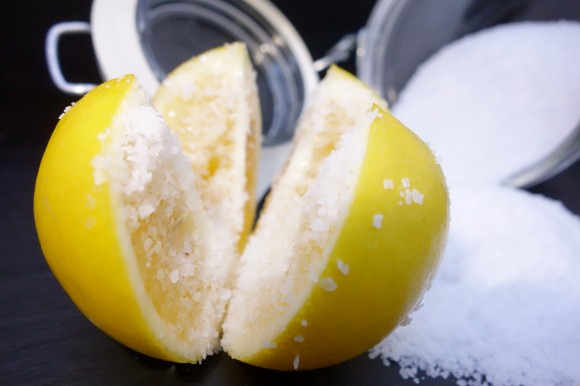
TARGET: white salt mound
(504,309)
(498,100)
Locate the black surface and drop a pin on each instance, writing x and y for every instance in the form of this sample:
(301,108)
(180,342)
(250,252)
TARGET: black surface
(44,339)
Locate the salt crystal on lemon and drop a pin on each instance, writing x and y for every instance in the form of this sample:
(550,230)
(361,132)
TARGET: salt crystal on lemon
(378,221)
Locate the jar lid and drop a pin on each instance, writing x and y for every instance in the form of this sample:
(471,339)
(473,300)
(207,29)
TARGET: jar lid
(167,33)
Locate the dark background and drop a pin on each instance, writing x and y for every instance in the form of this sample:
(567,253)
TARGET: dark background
(31,103)
(43,338)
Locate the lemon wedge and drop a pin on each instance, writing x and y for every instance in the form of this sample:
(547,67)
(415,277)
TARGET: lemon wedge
(211,102)
(348,241)
(124,230)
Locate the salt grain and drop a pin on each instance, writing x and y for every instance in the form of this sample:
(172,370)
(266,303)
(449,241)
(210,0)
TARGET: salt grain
(269,344)
(299,339)
(406,321)
(417,197)
(187,269)
(174,276)
(66,110)
(148,243)
(296,362)
(388,184)
(145,209)
(304,323)
(342,267)
(378,221)
(407,196)
(327,284)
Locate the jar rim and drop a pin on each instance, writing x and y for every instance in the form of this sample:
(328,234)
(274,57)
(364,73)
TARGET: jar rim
(118,30)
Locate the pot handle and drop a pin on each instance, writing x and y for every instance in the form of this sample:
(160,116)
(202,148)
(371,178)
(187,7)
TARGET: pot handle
(51,52)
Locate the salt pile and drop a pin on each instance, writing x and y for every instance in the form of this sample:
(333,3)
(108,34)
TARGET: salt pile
(504,308)
(498,100)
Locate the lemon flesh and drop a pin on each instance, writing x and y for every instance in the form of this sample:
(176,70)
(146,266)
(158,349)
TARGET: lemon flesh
(346,258)
(211,102)
(123,228)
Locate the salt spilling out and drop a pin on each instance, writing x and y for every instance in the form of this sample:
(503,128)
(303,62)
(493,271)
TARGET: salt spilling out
(504,307)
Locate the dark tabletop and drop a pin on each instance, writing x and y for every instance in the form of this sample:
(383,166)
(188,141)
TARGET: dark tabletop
(44,339)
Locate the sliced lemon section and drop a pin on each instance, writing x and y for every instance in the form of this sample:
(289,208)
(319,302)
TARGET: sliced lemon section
(348,241)
(124,230)
(211,102)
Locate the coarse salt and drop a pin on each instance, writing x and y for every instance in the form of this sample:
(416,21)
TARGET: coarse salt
(66,110)
(417,197)
(342,267)
(504,307)
(378,221)
(174,276)
(327,284)
(498,100)
(269,344)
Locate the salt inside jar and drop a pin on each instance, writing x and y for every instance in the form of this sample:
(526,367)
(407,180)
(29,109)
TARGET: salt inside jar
(496,101)
(504,309)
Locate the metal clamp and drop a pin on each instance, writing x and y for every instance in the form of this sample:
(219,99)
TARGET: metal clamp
(340,52)
(51,51)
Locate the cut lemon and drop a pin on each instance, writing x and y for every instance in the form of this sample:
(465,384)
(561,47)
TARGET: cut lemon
(211,102)
(135,231)
(124,230)
(348,241)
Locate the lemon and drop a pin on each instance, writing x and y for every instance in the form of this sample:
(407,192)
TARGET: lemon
(124,229)
(211,102)
(348,241)
(135,219)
